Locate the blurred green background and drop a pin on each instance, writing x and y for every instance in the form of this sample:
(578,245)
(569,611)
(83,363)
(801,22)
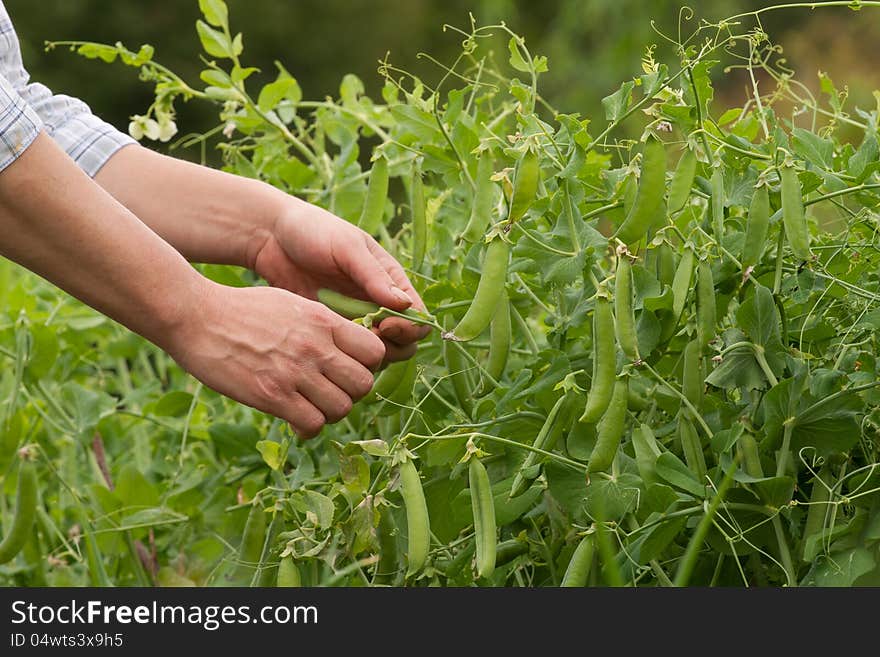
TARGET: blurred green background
(592,45)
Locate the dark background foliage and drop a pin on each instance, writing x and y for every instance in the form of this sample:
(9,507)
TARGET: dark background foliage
(592,45)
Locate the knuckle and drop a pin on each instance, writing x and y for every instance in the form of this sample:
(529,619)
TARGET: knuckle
(340,410)
(362,385)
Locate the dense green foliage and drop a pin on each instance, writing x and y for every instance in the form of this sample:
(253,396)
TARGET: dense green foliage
(685,392)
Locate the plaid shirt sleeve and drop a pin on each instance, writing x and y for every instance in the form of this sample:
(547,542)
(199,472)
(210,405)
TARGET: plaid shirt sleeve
(27,107)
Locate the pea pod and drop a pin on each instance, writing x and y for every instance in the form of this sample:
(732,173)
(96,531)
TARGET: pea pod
(419,221)
(691,447)
(716,182)
(458,371)
(624,319)
(387,382)
(609,430)
(820,496)
(547,435)
(346,306)
(374,203)
(418,528)
(402,394)
(751,457)
(682,181)
(647,451)
(705,304)
(581,562)
(489,290)
(25,510)
(288,573)
(692,375)
(484,198)
(387,568)
(499,342)
(604,362)
(525,185)
(648,207)
(793,215)
(483,507)
(756,228)
(664,264)
(251,548)
(681,287)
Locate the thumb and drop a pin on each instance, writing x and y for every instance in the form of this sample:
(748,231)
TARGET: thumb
(369,274)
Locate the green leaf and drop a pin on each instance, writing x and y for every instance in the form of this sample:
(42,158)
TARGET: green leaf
(274,92)
(840,569)
(670,469)
(215,78)
(215,12)
(233,440)
(516,58)
(98,51)
(616,104)
(272,453)
(350,90)
(813,148)
(173,404)
(611,499)
(867,153)
(658,537)
(321,506)
(134,489)
(739,369)
(416,122)
(214,42)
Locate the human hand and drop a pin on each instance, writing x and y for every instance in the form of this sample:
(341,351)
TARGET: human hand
(277,352)
(311,248)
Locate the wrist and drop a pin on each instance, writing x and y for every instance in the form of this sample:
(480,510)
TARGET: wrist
(268,211)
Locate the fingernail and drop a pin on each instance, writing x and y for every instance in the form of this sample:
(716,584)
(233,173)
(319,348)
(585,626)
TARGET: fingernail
(400,295)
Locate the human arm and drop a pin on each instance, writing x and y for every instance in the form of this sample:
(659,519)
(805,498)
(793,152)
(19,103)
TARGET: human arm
(265,347)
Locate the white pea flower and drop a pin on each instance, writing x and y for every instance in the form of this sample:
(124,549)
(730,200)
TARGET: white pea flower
(229,129)
(167,128)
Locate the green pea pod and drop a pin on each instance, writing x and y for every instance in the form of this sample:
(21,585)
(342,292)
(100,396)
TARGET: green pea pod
(288,573)
(664,264)
(717,203)
(374,203)
(705,304)
(251,548)
(578,570)
(417,523)
(484,198)
(419,221)
(24,513)
(692,375)
(691,447)
(818,511)
(402,394)
(647,450)
(548,435)
(624,319)
(648,207)
(756,228)
(346,306)
(387,568)
(681,282)
(459,374)
(794,217)
(609,430)
(682,181)
(499,342)
(387,382)
(483,507)
(489,290)
(604,362)
(751,457)
(525,185)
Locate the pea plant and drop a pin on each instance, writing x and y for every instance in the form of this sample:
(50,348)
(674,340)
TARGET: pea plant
(652,360)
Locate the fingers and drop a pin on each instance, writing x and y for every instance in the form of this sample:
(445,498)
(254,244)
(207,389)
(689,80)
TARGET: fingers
(327,397)
(350,376)
(359,343)
(395,352)
(302,416)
